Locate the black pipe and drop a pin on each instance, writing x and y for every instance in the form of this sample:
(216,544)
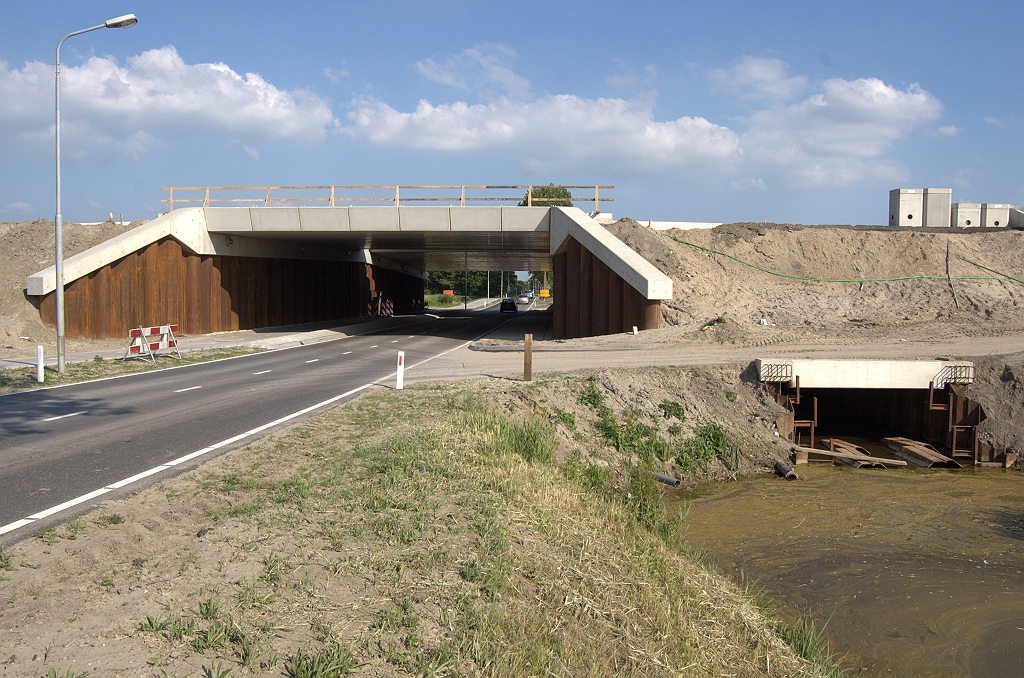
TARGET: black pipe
(668,480)
(784,471)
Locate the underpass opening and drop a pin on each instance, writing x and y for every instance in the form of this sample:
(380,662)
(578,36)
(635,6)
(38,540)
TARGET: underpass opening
(884,409)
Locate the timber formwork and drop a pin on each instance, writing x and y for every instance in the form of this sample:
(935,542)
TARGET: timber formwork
(165,283)
(591,299)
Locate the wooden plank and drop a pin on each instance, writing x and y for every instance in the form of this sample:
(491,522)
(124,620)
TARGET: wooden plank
(919,453)
(853,457)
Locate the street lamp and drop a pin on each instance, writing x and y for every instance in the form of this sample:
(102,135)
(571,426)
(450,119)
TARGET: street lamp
(126,21)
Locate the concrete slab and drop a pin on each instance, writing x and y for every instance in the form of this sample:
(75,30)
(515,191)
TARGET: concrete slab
(226,219)
(425,218)
(274,219)
(323,219)
(526,218)
(878,374)
(475,218)
(373,218)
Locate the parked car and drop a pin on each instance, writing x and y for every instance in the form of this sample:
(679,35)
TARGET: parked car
(523,299)
(509,306)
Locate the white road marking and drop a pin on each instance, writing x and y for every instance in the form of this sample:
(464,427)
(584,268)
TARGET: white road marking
(190,388)
(374,346)
(263,372)
(64,416)
(394,341)
(174,462)
(313,360)
(346,352)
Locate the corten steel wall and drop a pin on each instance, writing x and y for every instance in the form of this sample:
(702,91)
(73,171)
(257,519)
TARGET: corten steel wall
(163,283)
(591,299)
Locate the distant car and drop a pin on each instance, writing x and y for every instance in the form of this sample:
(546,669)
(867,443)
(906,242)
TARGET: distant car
(509,306)
(523,299)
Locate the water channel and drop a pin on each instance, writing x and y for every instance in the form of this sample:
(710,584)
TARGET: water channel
(918,572)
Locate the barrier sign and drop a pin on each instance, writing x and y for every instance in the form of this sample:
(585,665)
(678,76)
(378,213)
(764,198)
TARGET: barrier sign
(146,341)
(545,293)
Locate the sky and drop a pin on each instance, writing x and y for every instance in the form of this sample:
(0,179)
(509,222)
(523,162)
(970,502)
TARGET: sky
(801,112)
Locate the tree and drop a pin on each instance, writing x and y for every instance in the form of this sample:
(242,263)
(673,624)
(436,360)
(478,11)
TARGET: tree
(548,196)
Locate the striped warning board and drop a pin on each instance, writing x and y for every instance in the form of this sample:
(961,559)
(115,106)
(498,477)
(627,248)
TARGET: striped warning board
(146,341)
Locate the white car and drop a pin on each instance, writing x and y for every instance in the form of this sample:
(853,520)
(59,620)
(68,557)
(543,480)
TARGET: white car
(523,299)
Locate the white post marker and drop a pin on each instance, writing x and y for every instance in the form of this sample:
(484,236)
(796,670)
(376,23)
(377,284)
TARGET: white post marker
(400,375)
(39,364)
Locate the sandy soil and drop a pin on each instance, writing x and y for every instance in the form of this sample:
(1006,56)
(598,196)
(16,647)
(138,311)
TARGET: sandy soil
(25,248)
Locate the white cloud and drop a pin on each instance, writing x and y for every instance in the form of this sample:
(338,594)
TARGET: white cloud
(749,184)
(19,206)
(336,75)
(482,69)
(759,78)
(105,104)
(627,76)
(838,136)
(251,152)
(554,132)
(948,131)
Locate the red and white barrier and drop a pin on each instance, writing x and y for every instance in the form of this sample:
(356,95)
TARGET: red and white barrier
(400,375)
(143,343)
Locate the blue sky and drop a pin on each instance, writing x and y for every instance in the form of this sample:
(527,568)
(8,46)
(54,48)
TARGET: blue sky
(805,112)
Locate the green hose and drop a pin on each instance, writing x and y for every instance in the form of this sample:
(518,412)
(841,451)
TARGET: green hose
(841,280)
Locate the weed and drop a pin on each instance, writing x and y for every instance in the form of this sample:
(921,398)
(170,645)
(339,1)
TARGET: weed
(69,673)
(6,562)
(644,498)
(402,617)
(246,650)
(731,396)
(107,582)
(675,430)
(591,397)
(567,418)
(533,440)
(177,629)
(216,670)
(214,637)
(48,535)
(73,528)
(709,441)
(332,661)
(97,358)
(591,477)
(249,595)
(108,519)
(811,643)
(209,609)
(632,435)
(154,624)
(273,567)
(672,410)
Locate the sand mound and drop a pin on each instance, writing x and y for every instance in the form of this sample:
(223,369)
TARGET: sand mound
(27,247)
(736,300)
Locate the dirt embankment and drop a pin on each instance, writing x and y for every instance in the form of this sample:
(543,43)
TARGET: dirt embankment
(27,247)
(749,306)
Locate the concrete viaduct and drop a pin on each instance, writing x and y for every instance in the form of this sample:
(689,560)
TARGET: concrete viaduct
(212,269)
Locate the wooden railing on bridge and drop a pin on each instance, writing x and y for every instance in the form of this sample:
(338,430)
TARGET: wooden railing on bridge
(265,195)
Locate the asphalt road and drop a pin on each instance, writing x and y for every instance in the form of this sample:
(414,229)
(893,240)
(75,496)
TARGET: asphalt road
(62,444)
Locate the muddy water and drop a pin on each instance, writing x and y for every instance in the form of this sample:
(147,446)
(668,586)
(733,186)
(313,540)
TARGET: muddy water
(919,572)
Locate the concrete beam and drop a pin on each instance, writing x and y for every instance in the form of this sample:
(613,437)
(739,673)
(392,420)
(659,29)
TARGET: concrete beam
(878,374)
(572,222)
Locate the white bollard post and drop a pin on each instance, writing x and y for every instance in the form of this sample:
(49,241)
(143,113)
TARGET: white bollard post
(400,379)
(39,364)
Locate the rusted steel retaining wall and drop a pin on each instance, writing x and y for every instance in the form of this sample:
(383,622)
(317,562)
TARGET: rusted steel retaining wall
(164,283)
(591,299)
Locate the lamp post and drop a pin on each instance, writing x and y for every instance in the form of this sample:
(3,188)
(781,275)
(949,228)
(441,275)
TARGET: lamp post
(126,21)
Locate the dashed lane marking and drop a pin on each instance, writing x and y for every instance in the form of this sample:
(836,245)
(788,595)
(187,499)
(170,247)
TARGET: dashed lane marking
(346,352)
(313,360)
(263,372)
(190,388)
(64,416)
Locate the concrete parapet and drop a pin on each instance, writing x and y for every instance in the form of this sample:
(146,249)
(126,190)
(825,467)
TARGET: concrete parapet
(995,215)
(937,203)
(966,215)
(878,374)
(906,206)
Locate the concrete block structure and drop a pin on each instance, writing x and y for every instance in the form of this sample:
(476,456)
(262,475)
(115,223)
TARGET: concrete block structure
(906,206)
(1016,219)
(966,215)
(994,215)
(937,203)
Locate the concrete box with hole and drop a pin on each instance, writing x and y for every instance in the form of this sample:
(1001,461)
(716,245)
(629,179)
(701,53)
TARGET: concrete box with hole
(966,214)
(937,204)
(906,206)
(994,215)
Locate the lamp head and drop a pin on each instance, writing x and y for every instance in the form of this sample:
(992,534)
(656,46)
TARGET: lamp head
(126,21)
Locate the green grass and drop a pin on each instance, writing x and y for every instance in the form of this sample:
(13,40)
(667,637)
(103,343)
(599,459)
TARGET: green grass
(709,441)
(332,661)
(24,378)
